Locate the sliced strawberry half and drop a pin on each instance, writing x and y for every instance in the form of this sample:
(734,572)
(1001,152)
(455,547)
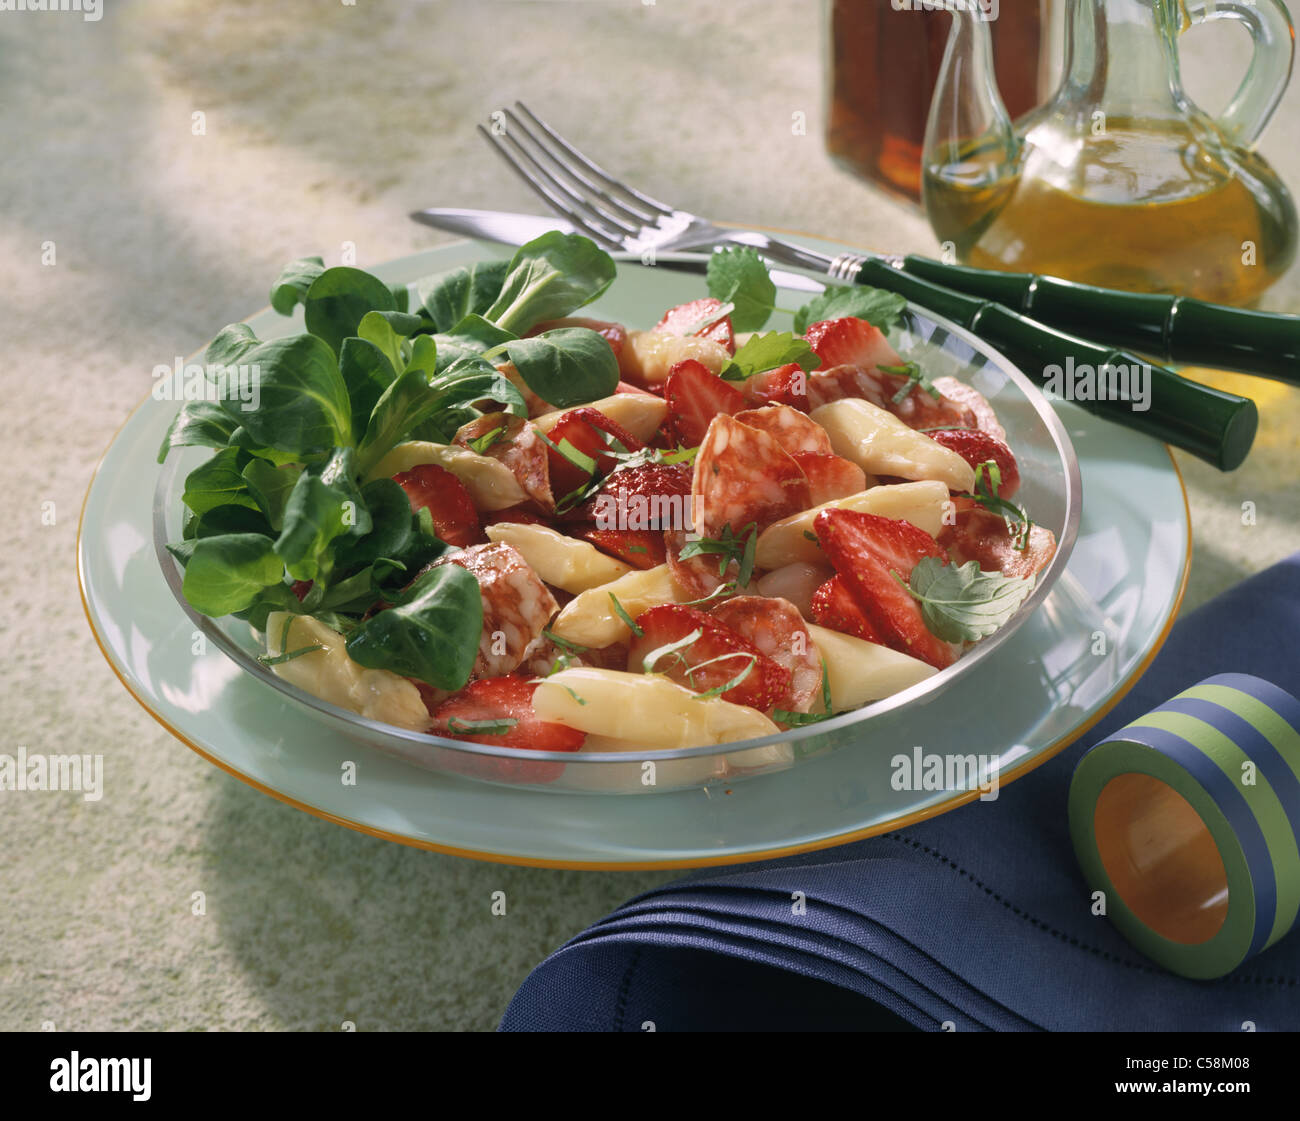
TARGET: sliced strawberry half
(641,548)
(833,606)
(437,490)
(851,342)
(830,476)
(725,652)
(977,447)
(613,333)
(695,396)
(870,554)
(503,699)
(684,318)
(589,431)
(647,496)
(785,385)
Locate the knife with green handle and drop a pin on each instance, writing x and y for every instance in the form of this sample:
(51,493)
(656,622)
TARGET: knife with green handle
(1216,426)
(1171,328)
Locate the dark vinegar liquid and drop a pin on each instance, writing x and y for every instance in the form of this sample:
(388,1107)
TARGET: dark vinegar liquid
(884,65)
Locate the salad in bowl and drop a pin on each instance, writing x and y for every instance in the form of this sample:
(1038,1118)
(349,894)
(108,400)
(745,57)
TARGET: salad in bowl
(467,515)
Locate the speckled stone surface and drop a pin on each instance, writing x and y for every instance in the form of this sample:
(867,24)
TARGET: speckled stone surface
(325,123)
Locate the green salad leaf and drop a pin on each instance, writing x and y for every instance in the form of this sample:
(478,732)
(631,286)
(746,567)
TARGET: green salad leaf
(431,633)
(879,308)
(304,407)
(469,290)
(217,482)
(738,276)
(767,352)
(290,287)
(567,366)
(270,486)
(325,503)
(226,573)
(961,603)
(198,423)
(550,277)
(339,299)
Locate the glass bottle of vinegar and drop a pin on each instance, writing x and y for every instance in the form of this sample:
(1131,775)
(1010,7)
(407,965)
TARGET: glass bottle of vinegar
(885,56)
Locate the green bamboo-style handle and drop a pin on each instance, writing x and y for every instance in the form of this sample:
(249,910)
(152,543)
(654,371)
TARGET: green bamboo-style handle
(1172,328)
(1216,426)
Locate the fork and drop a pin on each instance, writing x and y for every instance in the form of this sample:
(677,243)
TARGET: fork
(619,216)
(1212,424)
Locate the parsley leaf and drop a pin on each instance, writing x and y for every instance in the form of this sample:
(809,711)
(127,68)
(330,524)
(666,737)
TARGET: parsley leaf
(963,604)
(879,308)
(767,352)
(738,276)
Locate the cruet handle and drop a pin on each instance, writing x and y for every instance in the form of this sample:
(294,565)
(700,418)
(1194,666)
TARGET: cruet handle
(1256,100)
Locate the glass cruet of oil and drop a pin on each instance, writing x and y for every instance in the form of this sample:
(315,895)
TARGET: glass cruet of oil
(1119,180)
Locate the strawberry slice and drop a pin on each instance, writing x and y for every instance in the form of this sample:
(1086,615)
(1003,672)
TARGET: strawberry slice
(833,606)
(613,333)
(681,319)
(586,429)
(647,496)
(436,489)
(641,548)
(695,396)
(785,385)
(867,551)
(982,536)
(830,476)
(977,447)
(762,686)
(850,342)
(501,699)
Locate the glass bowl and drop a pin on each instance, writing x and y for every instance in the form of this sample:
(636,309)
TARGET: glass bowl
(1050,492)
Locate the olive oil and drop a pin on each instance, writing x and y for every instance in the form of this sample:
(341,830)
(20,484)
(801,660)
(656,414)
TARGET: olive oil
(1136,205)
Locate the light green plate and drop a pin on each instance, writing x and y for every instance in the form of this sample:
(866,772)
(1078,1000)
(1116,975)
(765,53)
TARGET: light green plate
(1049,681)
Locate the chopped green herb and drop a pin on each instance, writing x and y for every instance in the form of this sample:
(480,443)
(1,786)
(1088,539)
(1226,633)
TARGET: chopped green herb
(580,460)
(280,659)
(562,643)
(482,727)
(480,444)
(674,649)
(798,719)
(916,379)
(719,690)
(988,481)
(728,547)
(622,614)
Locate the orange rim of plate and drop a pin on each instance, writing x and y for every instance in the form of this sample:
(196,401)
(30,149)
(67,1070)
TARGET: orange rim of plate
(846,838)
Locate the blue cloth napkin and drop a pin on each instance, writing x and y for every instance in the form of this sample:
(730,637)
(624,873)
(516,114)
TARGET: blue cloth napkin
(979,918)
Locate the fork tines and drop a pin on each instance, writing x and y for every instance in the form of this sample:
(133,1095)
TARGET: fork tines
(604,208)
